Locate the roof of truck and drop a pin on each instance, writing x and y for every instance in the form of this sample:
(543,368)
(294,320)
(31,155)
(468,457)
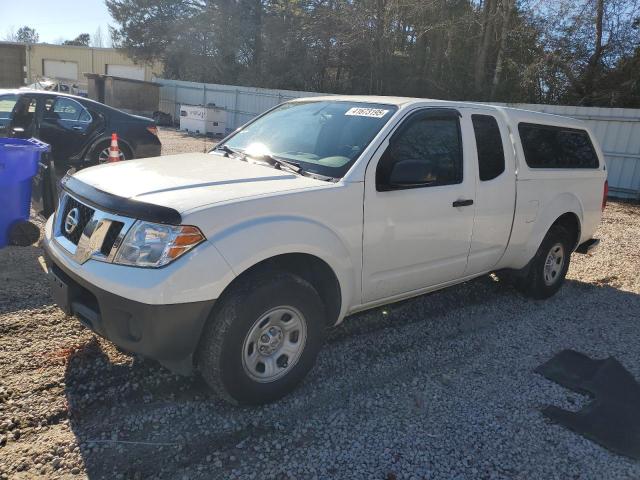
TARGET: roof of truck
(516,114)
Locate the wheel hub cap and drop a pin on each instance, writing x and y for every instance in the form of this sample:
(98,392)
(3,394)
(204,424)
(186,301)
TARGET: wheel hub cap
(553,264)
(270,340)
(274,344)
(104,156)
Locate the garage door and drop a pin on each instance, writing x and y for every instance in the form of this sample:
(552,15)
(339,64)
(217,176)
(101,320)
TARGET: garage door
(126,71)
(61,69)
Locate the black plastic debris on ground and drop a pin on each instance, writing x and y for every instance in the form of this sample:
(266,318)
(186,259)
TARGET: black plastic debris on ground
(612,419)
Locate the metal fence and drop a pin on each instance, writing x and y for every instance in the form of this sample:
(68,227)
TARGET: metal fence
(241,103)
(617,129)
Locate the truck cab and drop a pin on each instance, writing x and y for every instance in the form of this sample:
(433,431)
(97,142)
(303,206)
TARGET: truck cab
(234,263)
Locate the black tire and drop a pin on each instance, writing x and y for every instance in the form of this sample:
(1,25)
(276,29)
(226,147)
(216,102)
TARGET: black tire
(220,354)
(534,284)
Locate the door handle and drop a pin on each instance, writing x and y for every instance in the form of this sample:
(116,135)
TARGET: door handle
(462,203)
(76,128)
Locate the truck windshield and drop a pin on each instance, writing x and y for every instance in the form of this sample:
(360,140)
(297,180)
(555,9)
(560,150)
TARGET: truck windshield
(323,137)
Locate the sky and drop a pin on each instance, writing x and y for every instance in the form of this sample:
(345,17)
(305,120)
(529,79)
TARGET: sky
(55,20)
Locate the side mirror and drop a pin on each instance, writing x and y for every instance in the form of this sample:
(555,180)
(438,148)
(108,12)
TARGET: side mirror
(408,174)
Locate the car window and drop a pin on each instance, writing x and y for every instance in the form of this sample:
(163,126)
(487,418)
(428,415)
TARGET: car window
(430,151)
(489,146)
(547,146)
(85,116)
(23,112)
(62,108)
(7,102)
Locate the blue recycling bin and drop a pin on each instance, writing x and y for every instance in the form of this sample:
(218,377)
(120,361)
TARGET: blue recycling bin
(18,164)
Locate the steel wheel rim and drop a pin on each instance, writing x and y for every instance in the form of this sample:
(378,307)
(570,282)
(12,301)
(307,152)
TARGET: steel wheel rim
(274,344)
(553,264)
(104,156)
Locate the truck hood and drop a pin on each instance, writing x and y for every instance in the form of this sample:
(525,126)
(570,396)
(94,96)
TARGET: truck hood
(191,180)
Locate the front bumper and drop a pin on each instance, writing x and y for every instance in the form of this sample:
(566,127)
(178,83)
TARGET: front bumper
(167,333)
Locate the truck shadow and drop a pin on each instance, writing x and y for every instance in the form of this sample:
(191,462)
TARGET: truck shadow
(134,419)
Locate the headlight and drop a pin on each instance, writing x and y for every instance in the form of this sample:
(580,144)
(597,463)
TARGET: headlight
(155,245)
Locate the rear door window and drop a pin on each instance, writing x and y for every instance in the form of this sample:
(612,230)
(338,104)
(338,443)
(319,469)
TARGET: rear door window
(63,108)
(489,146)
(547,146)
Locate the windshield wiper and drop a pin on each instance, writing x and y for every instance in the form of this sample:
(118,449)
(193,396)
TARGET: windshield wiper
(294,167)
(231,151)
(277,162)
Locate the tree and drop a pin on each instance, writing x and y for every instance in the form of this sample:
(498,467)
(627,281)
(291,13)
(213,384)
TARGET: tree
(97,39)
(27,35)
(538,51)
(81,40)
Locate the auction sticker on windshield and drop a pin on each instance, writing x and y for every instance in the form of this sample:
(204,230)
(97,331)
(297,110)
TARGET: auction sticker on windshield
(367,112)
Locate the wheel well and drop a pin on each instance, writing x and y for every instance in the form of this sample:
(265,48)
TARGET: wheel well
(570,222)
(312,269)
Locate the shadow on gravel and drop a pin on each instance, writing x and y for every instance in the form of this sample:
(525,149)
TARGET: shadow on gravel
(612,419)
(137,420)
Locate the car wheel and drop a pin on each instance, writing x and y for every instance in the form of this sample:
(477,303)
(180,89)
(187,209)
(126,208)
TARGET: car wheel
(262,338)
(100,154)
(549,266)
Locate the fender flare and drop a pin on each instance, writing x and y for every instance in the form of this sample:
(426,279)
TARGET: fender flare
(250,242)
(560,205)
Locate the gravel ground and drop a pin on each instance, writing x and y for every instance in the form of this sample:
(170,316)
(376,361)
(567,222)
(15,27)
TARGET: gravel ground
(437,387)
(175,141)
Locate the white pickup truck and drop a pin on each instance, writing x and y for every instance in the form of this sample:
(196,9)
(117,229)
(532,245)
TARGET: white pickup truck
(234,263)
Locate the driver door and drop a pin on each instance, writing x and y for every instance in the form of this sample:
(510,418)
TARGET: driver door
(418,207)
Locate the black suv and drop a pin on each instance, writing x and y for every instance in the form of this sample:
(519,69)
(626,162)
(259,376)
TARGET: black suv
(78,129)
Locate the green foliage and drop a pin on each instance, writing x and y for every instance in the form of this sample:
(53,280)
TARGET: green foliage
(27,35)
(501,50)
(82,40)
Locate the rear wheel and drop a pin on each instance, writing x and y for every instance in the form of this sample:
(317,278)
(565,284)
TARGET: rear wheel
(100,154)
(262,339)
(549,266)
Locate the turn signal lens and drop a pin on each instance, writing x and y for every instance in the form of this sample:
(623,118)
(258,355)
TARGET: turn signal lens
(155,245)
(153,129)
(188,238)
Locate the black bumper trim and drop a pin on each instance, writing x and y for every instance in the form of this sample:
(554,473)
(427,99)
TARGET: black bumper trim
(166,333)
(588,246)
(120,205)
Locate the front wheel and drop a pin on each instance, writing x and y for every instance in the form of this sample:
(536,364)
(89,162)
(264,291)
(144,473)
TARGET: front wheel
(549,266)
(262,339)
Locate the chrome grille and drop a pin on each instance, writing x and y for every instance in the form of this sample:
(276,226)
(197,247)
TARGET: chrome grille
(110,238)
(84,215)
(96,235)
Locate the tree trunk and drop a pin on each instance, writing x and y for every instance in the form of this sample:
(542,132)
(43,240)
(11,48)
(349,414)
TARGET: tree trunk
(257,42)
(506,17)
(485,42)
(596,58)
